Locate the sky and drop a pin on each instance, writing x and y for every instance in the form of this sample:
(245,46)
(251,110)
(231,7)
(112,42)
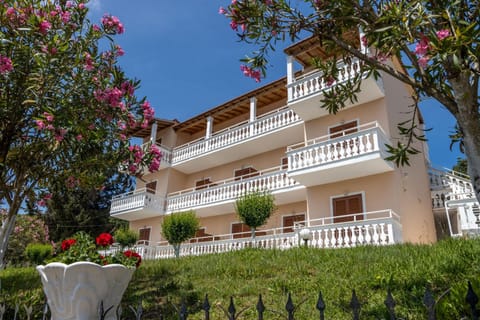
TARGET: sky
(187,59)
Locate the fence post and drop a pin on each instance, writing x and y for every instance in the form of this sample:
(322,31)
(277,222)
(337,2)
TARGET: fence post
(472,300)
(429,303)
(206,307)
(231,310)
(321,306)
(260,307)
(290,307)
(355,305)
(390,304)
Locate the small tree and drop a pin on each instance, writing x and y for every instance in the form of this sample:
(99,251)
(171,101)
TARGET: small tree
(126,237)
(179,227)
(255,208)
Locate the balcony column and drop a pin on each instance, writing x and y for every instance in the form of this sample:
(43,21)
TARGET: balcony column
(290,77)
(363,43)
(208,132)
(253,114)
(153,133)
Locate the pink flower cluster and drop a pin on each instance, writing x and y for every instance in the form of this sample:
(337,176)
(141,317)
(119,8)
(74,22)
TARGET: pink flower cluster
(5,64)
(423,47)
(88,62)
(112,24)
(138,154)
(43,202)
(148,113)
(111,96)
(252,73)
(156,158)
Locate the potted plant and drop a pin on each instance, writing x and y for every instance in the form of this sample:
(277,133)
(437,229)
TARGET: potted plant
(86,281)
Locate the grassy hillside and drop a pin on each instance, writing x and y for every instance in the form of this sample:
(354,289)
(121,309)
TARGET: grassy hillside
(405,269)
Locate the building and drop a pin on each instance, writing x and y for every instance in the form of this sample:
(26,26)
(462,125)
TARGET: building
(328,172)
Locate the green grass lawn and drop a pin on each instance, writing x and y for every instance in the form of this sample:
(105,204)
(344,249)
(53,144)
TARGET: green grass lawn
(406,269)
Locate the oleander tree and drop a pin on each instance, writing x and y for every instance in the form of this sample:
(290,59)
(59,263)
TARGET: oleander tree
(431,46)
(65,104)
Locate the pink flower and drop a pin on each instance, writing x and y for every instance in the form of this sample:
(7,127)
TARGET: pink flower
(40,124)
(119,51)
(5,64)
(249,72)
(41,203)
(154,165)
(112,24)
(95,28)
(442,34)
(79,137)
(234,25)
(44,26)
(81,6)
(48,116)
(88,62)
(65,16)
(48,196)
(423,61)
(422,46)
(222,10)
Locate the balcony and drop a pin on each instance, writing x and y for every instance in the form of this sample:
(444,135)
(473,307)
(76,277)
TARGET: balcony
(136,205)
(306,92)
(230,144)
(370,228)
(324,160)
(219,197)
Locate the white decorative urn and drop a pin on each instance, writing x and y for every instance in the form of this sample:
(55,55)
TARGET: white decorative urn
(75,291)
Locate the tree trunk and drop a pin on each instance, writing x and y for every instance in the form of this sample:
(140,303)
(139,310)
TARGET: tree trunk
(468,120)
(254,242)
(176,249)
(5,231)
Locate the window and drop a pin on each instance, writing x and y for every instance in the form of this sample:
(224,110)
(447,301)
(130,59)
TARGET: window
(284,163)
(240,230)
(347,205)
(245,173)
(202,184)
(151,186)
(289,222)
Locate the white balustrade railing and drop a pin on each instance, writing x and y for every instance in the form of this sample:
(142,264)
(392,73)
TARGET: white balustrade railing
(272,179)
(139,199)
(263,124)
(370,228)
(449,185)
(318,82)
(369,138)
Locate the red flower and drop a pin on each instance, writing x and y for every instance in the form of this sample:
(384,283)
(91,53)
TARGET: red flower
(133,254)
(104,239)
(67,243)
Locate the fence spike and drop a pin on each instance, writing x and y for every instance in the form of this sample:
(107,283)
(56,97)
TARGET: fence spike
(290,307)
(16,312)
(28,310)
(183,310)
(44,315)
(472,300)
(390,304)
(355,305)
(321,306)
(260,307)
(429,303)
(2,311)
(231,310)
(206,307)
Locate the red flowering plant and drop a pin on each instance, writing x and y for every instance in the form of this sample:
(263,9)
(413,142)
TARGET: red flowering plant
(81,247)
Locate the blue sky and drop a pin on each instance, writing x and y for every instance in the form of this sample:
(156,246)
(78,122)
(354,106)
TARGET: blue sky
(187,58)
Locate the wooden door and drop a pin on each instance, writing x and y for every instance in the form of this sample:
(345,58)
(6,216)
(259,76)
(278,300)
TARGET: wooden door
(240,230)
(289,222)
(144,236)
(345,206)
(343,129)
(202,184)
(245,173)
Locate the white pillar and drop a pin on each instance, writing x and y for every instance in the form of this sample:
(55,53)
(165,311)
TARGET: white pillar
(253,113)
(153,133)
(363,47)
(208,134)
(290,77)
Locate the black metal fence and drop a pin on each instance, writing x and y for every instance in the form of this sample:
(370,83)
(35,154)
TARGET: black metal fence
(231,312)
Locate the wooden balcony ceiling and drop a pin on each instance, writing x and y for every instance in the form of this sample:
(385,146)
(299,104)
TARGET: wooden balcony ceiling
(304,51)
(270,93)
(143,133)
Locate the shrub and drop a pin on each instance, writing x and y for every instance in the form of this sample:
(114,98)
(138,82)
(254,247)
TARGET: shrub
(37,253)
(255,208)
(179,227)
(125,237)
